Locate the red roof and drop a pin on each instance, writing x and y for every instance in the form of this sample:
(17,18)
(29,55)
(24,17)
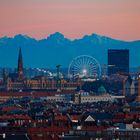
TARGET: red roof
(48,129)
(75,117)
(35,93)
(10,108)
(21,117)
(61,118)
(137,125)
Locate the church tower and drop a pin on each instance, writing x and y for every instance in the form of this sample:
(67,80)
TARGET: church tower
(20,66)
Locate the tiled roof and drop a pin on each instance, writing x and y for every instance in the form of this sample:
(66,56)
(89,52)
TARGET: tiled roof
(10,108)
(48,129)
(35,93)
(75,118)
(61,118)
(22,117)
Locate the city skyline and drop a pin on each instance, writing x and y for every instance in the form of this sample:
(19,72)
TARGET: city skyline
(69,69)
(117,19)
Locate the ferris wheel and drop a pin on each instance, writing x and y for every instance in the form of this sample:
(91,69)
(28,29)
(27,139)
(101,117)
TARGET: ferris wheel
(84,66)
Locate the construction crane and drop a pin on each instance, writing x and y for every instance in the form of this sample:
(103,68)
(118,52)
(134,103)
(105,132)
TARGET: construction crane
(105,70)
(105,67)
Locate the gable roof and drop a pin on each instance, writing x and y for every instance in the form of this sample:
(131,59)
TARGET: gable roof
(89,119)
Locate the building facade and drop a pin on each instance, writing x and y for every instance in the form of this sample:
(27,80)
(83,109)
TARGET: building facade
(40,83)
(88,98)
(17,82)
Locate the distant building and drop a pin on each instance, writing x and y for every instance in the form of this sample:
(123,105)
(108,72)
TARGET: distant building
(17,82)
(89,98)
(130,88)
(118,61)
(61,98)
(101,90)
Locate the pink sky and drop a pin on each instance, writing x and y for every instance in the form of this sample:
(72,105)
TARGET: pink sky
(74,18)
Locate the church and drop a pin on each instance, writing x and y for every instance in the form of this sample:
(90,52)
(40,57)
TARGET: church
(18,82)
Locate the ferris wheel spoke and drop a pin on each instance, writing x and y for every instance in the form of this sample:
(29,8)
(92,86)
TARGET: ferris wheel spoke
(76,65)
(76,69)
(89,63)
(78,62)
(83,62)
(86,61)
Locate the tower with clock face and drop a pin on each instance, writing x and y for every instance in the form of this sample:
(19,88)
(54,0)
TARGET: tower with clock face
(20,67)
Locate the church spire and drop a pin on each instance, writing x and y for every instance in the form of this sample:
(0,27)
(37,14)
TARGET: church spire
(20,66)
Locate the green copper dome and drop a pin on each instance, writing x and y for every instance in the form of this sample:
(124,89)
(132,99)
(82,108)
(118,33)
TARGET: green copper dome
(101,90)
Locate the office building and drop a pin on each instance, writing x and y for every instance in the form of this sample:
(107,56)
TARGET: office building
(118,61)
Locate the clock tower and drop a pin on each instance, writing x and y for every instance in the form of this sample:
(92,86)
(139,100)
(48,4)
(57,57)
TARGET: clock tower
(20,66)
